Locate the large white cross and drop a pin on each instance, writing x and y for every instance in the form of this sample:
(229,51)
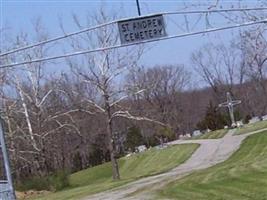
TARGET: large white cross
(230,105)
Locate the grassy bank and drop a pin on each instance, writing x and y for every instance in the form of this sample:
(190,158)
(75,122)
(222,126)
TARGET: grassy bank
(212,135)
(242,177)
(247,128)
(99,179)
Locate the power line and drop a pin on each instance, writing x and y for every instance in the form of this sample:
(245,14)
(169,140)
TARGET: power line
(115,21)
(130,44)
(213,11)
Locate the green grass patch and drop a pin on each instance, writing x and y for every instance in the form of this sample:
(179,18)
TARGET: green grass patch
(242,177)
(99,178)
(212,135)
(247,128)
(55,182)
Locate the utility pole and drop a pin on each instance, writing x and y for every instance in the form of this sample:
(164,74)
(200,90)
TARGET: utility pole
(230,105)
(6,186)
(138,7)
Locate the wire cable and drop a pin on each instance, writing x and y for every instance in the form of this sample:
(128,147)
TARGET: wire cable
(115,21)
(130,44)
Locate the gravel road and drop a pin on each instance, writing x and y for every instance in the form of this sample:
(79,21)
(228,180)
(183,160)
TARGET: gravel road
(210,152)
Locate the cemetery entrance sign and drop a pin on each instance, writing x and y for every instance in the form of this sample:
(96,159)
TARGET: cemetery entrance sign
(141,29)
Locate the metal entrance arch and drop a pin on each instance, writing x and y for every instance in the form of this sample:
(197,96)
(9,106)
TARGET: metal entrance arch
(6,186)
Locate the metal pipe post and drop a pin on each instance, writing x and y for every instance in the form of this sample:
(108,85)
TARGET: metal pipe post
(138,7)
(11,195)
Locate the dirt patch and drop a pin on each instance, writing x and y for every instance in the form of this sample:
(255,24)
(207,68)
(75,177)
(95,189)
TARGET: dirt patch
(30,194)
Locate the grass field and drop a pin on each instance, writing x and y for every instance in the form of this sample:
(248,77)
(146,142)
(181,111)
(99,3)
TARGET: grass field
(212,135)
(99,179)
(251,127)
(242,177)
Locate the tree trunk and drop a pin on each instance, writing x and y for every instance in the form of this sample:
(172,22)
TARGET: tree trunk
(114,162)
(112,150)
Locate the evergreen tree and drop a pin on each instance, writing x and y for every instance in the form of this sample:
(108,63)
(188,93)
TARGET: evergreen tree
(134,138)
(213,119)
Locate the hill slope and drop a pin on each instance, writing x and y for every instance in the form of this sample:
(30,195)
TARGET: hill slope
(98,178)
(251,127)
(242,177)
(211,135)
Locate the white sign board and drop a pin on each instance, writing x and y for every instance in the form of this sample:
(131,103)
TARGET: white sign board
(141,29)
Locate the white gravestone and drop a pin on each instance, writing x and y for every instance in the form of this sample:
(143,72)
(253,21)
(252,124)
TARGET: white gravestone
(186,136)
(264,118)
(141,148)
(239,124)
(197,133)
(254,120)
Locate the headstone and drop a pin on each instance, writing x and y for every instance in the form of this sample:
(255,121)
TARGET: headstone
(141,148)
(254,120)
(206,131)
(185,136)
(163,146)
(264,118)
(188,135)
(196,133)
(239,124)
(128,155)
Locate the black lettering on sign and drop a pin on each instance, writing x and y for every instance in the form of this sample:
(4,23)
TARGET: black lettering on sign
(132,36)
(144,25)
(146,34)
(141,28)
(134,25)
(126,36)
(136,35)
(159,22)
(150,33)
(142,35)
(160,31)
(149,23)
(124,27)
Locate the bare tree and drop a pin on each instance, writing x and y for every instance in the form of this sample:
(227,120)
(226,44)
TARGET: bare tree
(161,98)
(104,71)
(254,49)
(220,66)
(27,97)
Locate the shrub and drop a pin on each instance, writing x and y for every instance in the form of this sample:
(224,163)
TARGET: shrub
(34,183)
(59,180)
(134,138)
(55,182)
